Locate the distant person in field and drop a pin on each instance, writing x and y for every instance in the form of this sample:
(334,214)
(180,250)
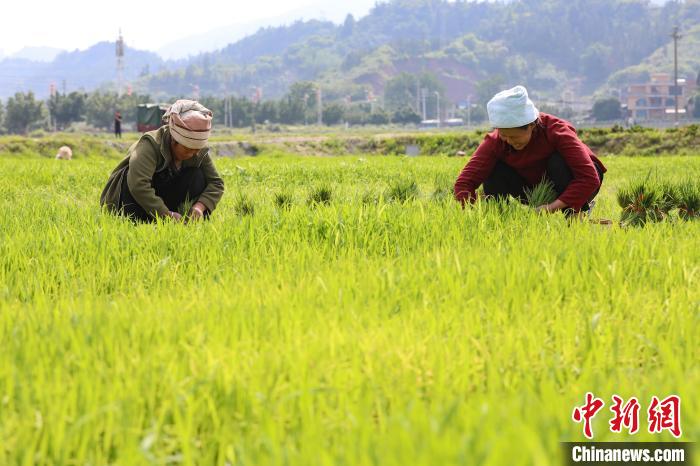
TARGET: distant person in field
(64,153)
(118,125)
(526,146)
(167,169)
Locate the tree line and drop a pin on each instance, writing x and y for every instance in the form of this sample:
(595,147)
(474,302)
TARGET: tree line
(23,112)
(407,99)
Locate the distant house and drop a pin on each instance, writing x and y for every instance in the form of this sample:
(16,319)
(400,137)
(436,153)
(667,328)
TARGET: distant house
(656,100)
(454,122)
(430,124)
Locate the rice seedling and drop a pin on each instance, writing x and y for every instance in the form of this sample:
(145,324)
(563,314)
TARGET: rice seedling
(403,190)
(444,189)
(442,193)
(668,198)
(320,195)
(370,197)
(687,199)
(403,333)
(284,200)
(541,194)
(185,207)
(641,202)
(649,201)
(244,205)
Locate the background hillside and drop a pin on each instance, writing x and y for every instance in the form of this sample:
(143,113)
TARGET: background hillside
(470,48)
(552,46)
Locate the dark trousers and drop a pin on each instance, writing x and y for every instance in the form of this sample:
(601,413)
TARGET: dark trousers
(173,187)
(504,181)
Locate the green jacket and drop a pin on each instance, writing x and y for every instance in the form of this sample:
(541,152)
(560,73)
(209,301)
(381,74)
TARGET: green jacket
(148,156)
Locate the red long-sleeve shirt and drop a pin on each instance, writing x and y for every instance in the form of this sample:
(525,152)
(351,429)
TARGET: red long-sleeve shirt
(551,135)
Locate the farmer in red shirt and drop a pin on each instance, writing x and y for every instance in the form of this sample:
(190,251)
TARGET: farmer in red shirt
(526,146)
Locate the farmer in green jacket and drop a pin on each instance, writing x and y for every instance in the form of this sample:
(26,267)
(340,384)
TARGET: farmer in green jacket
(166,168)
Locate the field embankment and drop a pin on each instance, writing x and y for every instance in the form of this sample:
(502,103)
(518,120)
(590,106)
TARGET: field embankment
(635,141)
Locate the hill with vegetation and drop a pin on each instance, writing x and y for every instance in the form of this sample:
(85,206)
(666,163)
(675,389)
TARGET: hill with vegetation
(470,47)
(661,61)
(460,51)
(77,70)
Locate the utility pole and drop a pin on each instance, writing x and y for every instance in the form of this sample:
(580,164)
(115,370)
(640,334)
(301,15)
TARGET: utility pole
(253,103)
(120,63)
(469,111)
(226,110)
(52,117)
(417,95)
(319,104)
(676,90)
(423,93)
(437,115)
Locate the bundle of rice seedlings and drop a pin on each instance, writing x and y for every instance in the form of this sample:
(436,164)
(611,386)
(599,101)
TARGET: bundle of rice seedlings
(403,190)
(284,200)
(542,193)
(244,205)
(320,195)
(688,200)
(185,207)
(641,202)
(668,199)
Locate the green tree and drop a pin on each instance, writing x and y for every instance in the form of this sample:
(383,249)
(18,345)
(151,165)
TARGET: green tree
(299,104)
(2,118)
(268,111)
(241,112)
(405,90)
(405,115)
(100,108)
(333,113)
(66,109)
(566,113)
(402,91)
(597,61)
(217,107)
(379,117)
(487,88)
(607,109)
(358,114)
(23,113)
(348,27)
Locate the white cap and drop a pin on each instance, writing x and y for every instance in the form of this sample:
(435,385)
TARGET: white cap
(512,109)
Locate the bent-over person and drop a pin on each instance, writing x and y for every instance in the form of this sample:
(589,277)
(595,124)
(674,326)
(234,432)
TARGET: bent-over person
(167,168)
(525,147)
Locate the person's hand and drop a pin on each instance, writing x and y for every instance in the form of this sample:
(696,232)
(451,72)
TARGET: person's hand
(175,216)
(551,207)
(543,209)
(197,211)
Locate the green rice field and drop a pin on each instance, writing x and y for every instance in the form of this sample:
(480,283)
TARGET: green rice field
(334,311)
